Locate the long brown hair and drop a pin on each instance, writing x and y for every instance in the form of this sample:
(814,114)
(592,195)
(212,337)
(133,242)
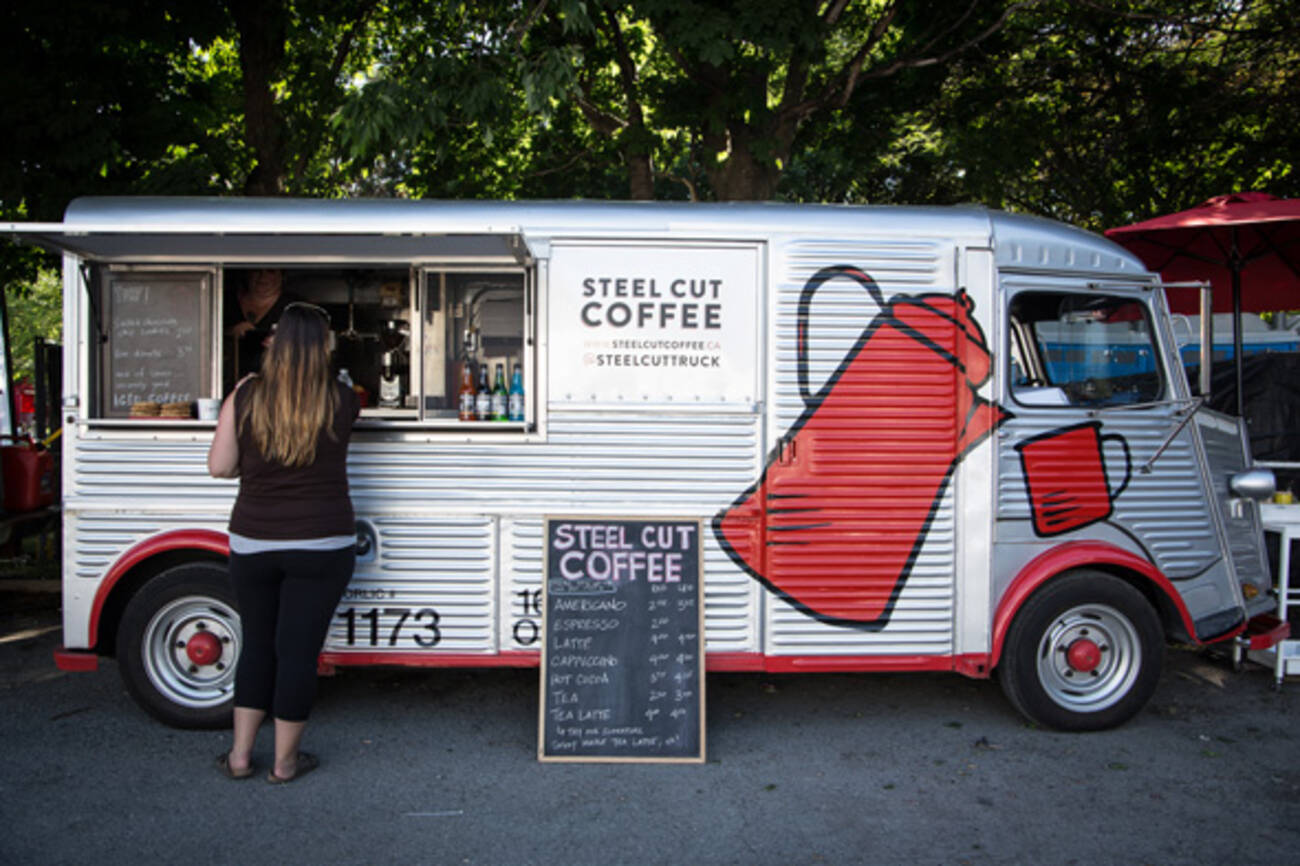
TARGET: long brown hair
(295,398)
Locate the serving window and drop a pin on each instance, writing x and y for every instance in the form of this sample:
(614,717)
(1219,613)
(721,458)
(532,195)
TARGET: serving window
(407,338)
(370,312)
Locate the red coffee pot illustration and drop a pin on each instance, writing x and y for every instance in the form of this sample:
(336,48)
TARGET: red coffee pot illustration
(838,518)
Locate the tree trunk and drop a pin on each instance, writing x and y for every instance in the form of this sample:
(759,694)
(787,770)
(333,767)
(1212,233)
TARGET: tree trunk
(744,175)
(263,29)
(640,174)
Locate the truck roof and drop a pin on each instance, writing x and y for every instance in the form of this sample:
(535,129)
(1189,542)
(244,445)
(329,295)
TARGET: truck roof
(249,229)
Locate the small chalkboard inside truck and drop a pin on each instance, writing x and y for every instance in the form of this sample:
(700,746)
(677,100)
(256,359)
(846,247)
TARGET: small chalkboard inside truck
(156,341)
(623,657)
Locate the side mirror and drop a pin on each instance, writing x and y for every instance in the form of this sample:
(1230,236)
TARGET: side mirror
(1257,484)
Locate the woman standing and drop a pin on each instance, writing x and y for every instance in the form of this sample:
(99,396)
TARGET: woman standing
(285,434)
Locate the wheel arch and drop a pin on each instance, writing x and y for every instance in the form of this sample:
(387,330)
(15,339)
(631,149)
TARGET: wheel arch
(1139,573)
(139,564)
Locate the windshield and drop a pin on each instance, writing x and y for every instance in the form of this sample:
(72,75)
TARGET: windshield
(1076,349)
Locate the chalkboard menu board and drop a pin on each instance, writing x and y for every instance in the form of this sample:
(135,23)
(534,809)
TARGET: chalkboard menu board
(623,656)
(158,327)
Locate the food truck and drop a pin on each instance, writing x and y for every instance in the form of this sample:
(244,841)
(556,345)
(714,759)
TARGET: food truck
(856,403)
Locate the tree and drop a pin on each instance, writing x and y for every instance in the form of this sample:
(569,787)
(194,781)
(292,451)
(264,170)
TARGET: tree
(713,94)
(1027,105)
(760,71)
(1100,114)
(296,61)
(732,84)
(449,107)
(95,98)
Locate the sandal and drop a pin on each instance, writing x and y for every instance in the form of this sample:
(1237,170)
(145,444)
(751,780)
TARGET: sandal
(224,768)
(305,764)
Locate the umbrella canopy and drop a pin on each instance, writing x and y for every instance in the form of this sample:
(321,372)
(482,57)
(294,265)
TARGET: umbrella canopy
(1247,246)
(1247,243)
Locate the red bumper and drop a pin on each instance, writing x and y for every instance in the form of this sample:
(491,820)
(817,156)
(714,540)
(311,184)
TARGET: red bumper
(75,660)
(1265,632)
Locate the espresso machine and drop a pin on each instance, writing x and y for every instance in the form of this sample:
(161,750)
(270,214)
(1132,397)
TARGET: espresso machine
(394,372)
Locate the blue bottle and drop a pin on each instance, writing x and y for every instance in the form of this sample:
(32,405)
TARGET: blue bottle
(516,396)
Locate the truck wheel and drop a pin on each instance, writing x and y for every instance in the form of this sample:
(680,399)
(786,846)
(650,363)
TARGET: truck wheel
(177,644)
(1083,654)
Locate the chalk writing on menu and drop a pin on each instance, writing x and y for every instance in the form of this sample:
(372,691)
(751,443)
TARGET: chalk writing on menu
(154,341)
(622,668)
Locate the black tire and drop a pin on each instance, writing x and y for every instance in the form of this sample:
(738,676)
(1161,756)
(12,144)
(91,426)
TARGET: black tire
(1084,653)
(177,644)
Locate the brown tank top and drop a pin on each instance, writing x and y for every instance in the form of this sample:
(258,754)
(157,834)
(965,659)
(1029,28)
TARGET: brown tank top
(278,502)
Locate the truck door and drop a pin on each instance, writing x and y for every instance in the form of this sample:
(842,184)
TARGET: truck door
(1107,445)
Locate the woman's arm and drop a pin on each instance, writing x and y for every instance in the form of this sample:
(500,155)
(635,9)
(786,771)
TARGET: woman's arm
(223,455)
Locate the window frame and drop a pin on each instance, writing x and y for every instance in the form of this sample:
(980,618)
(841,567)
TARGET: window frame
(98,322)
(1028,349)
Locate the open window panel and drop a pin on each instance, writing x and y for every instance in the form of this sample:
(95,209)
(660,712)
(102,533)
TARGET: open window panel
(403,335)
(475,328)
(370,311)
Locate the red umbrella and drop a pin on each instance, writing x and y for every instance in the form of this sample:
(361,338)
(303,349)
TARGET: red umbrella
(1249,242)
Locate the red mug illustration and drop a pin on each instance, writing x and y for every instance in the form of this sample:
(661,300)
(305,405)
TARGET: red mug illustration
(843,507)
(1066,477)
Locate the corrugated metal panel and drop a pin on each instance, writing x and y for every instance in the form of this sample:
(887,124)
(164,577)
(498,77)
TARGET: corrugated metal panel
(97,539)
(841,309)
(591,463)
(1226,454)
(131,468)
(443,566)
(731,610)
(436,505)
(921,622)
(866,451)
(521,593)
(1165,508)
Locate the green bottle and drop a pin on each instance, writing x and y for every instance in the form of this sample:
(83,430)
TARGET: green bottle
(500,397)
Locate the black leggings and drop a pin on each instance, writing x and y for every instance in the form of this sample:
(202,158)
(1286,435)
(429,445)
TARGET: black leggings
(287,599)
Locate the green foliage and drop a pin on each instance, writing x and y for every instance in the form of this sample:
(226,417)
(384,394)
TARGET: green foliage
(1103,117)
(93,97)
(1095,113)
(35,309)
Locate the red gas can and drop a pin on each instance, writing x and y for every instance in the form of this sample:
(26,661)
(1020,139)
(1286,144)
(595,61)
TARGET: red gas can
(28,475)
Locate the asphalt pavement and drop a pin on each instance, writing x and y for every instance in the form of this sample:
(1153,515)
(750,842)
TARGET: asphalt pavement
(440,767)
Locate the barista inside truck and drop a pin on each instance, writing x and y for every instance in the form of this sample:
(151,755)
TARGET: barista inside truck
(251,311)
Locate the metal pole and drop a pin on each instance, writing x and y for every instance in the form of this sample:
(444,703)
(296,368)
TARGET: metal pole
(1207,340)
(42,388)
(1234,262)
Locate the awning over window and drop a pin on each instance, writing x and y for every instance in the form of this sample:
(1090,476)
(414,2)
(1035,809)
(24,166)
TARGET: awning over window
(273,230)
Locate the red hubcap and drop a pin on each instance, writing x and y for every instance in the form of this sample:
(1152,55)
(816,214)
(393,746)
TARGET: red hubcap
(1083,655)
(203,648)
